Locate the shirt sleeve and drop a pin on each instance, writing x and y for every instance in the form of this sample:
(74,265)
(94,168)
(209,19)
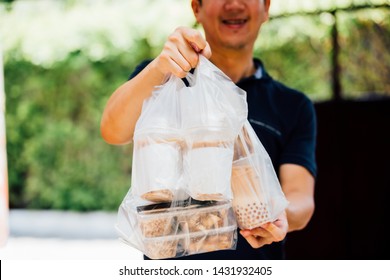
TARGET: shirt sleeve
(300,148)
(139,68)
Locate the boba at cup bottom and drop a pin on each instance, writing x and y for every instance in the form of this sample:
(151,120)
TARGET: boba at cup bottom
(163,195)
(210,196)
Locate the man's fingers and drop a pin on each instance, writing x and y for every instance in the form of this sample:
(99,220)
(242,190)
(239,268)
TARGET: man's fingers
(197,41)
(184,46)
(181,51)
(173,63)
(206,51)
(195,47)
(277,233)
(255,241)
(194,37)
(266,234)
(261,232)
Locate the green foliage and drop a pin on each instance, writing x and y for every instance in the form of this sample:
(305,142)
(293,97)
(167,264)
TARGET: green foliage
(57,158)
(288,55)
(365,54)
(301,57)
(61,69)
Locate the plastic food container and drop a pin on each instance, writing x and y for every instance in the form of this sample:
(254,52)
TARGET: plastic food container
(190,227)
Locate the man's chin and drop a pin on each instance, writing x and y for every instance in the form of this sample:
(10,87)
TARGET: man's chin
(235,45)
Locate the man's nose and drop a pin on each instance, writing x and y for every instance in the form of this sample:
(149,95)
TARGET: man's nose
(234,4)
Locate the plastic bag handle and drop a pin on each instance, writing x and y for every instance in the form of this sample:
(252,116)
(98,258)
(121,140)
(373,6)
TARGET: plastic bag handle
(206,68)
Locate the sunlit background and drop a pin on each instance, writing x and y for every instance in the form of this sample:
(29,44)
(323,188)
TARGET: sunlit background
(63,59)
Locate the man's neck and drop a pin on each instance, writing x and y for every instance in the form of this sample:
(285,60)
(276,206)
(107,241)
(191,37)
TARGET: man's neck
(236,65)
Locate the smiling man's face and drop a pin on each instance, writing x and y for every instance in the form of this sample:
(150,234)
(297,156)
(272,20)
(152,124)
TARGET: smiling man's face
(231,24)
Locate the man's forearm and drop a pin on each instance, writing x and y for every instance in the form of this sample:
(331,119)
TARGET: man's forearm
(299,211)
(124,106)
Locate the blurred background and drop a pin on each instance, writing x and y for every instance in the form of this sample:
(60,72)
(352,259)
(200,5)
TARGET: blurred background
(62,60)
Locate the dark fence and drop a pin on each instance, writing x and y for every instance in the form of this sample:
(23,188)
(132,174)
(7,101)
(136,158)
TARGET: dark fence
(360,58)
(353,185)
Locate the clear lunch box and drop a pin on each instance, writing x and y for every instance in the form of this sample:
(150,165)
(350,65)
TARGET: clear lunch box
(189,227)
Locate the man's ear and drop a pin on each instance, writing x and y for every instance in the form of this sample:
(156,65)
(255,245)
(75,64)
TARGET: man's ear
(195,8)
(267,4)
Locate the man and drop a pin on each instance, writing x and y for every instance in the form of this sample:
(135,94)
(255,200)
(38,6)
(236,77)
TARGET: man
(283,118)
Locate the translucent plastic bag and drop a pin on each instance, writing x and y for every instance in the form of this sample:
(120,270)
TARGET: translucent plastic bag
(158,145)
(172,230)
(180,198)
(185,137)
(213,110)
(257,194)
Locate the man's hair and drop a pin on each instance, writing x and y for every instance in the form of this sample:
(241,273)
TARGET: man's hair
(200,2)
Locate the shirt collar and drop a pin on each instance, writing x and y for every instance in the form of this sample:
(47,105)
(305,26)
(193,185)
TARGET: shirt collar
(259,72)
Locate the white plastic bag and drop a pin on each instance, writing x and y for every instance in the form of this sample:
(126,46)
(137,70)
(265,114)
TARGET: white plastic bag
(213,110)
(157,145)
(257,195)
(190,227)
(180,198)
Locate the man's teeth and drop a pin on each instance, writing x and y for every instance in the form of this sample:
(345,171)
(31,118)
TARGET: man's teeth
(235,21)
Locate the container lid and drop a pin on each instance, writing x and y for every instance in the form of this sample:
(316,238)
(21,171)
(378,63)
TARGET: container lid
(186,235)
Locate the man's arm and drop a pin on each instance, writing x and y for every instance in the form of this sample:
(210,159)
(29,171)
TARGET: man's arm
(125,104)
(179,55)
(298,186)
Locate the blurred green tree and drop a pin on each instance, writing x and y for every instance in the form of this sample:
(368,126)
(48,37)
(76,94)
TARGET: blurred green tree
(57,158)
(61,67)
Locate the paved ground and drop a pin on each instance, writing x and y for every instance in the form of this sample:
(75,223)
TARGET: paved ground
(64,235)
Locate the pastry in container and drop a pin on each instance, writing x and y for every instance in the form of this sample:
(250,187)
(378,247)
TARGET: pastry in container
(161,247)
(206,215)
(186,227)
(212,240)
(156,222)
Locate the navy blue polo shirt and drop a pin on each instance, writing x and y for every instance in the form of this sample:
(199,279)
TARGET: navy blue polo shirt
(284,120)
